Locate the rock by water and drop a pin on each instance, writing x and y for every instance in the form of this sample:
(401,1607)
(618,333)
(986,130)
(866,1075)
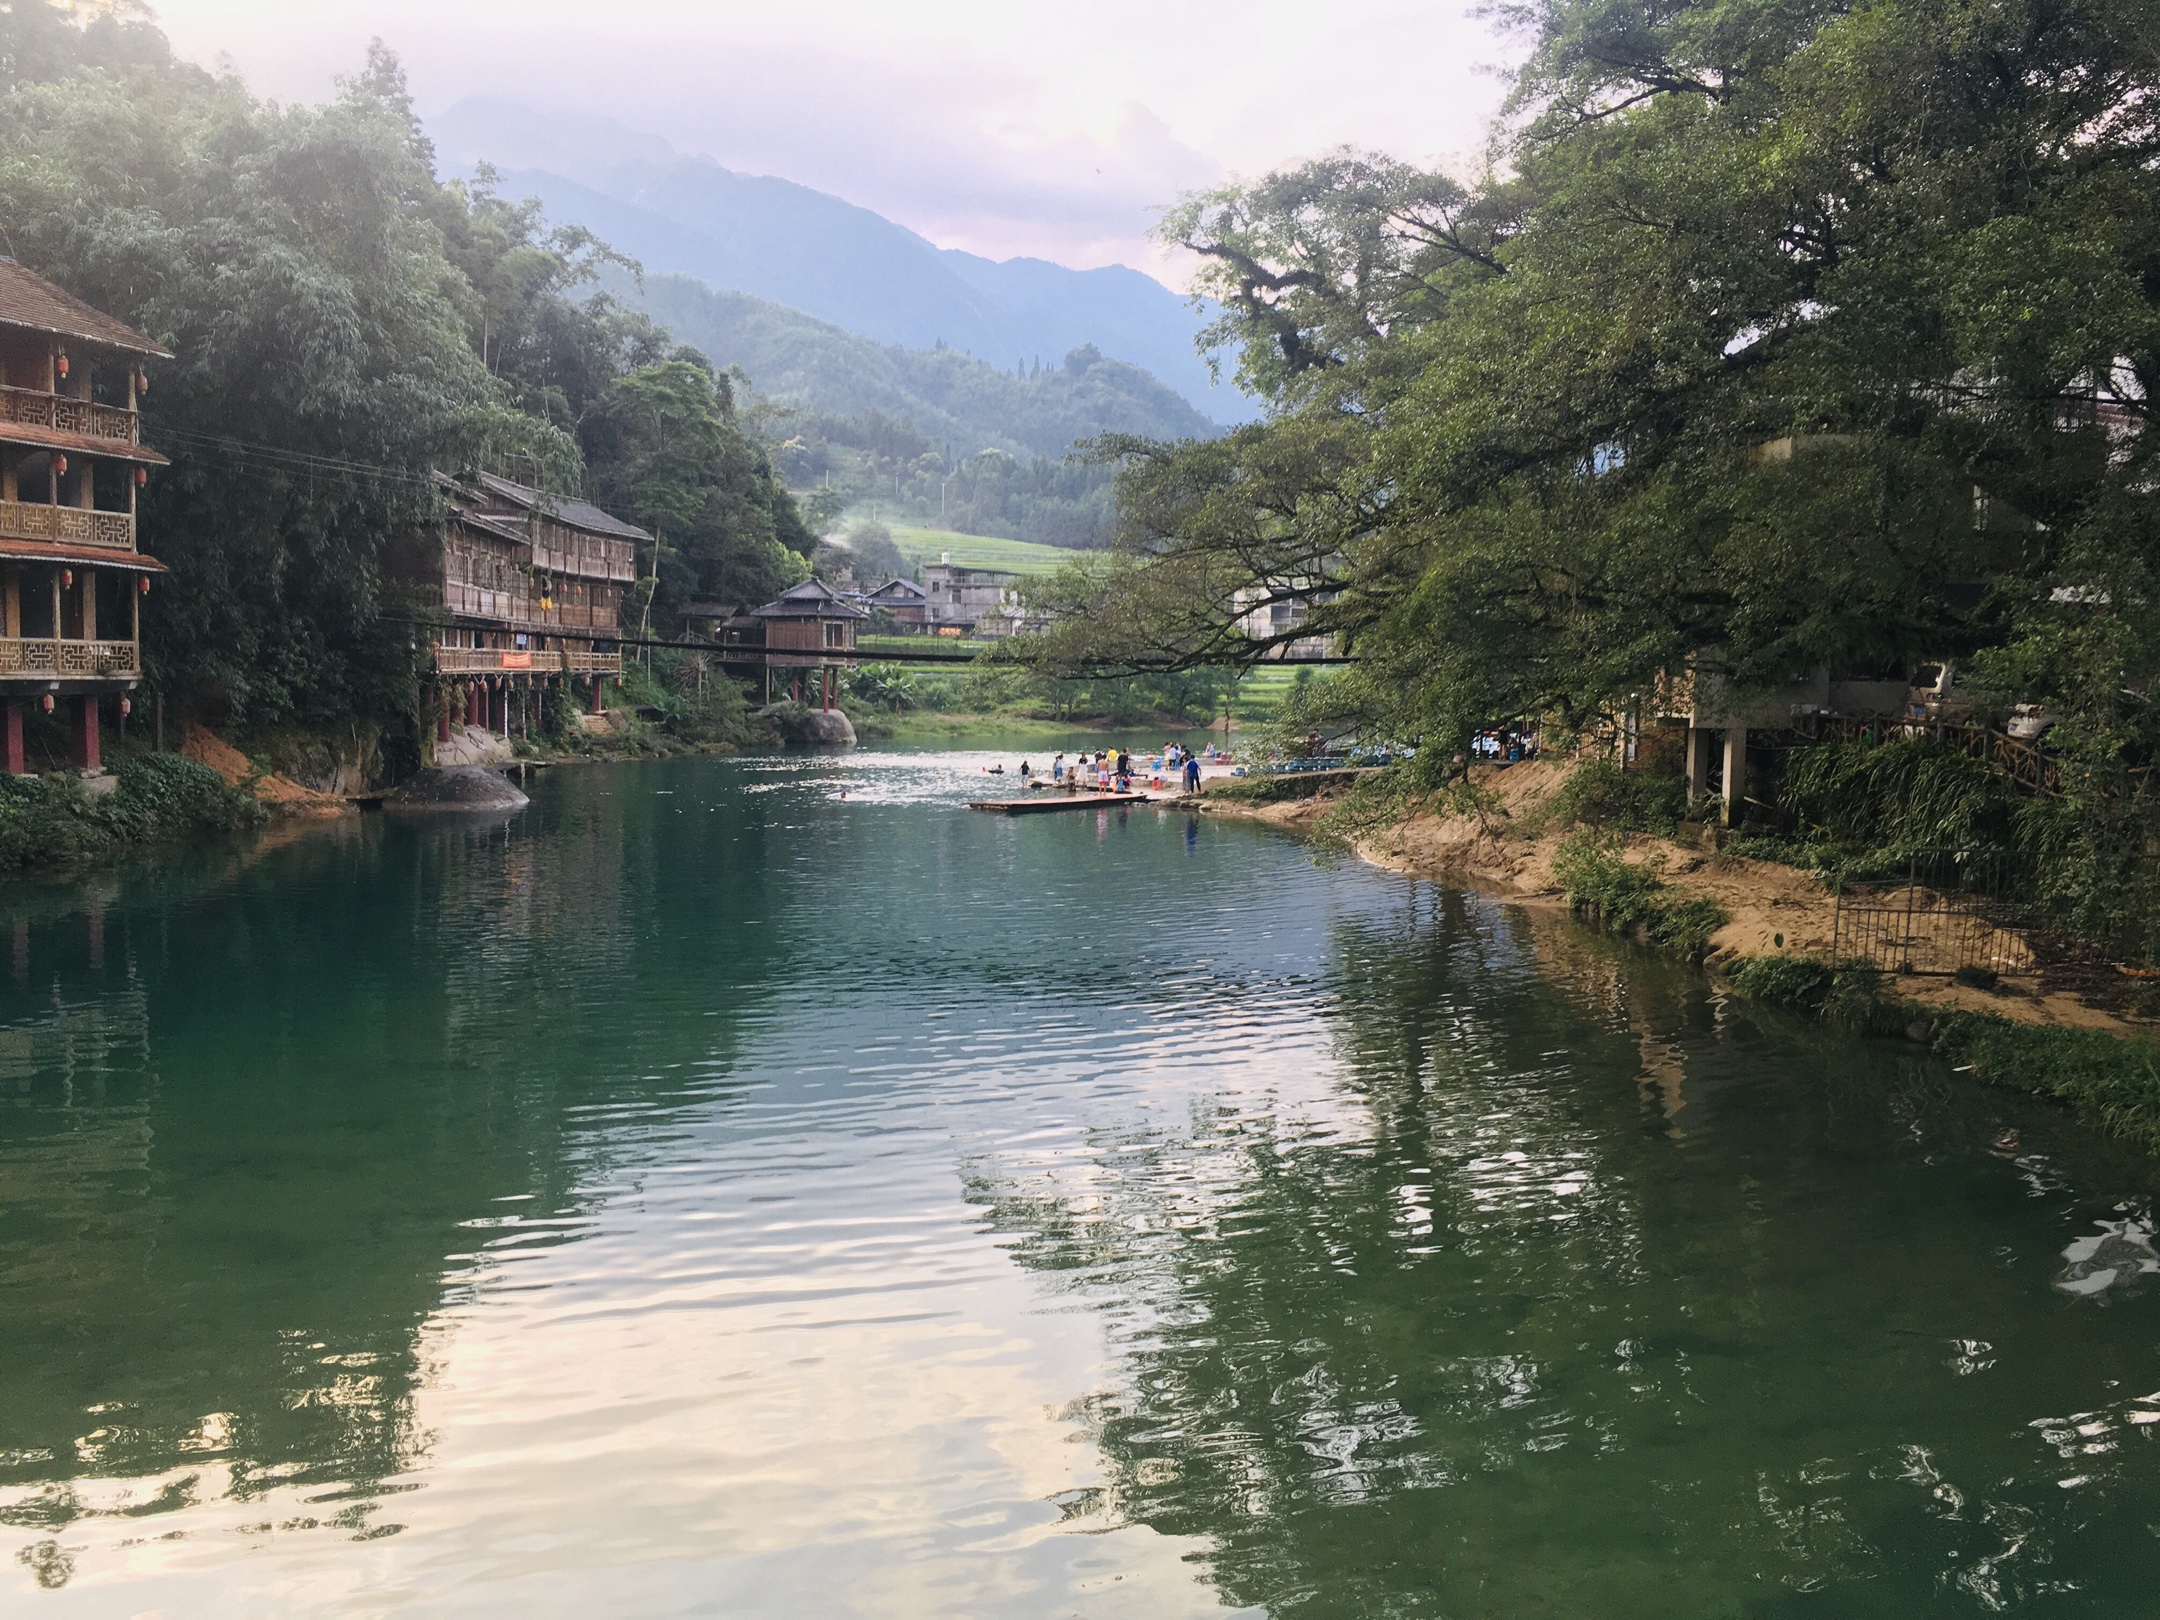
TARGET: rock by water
(802,726)
(457,787)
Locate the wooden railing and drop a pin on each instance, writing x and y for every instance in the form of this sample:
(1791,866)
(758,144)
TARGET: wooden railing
(565,551)
(67,525)
(2026,763)
(40,657)
(33,409)
(518,607)
(541,661)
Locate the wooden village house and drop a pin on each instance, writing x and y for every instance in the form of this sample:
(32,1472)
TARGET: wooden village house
(531,586)
(72,461)
(906,601)
(808,628)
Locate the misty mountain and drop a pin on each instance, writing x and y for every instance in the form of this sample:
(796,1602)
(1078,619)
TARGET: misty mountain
(817,253)
(950,397)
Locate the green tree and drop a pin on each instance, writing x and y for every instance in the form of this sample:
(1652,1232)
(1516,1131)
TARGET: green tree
(1799,333)
(668,452)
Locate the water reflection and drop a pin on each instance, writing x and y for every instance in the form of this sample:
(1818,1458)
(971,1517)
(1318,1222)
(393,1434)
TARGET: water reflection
(707,1191)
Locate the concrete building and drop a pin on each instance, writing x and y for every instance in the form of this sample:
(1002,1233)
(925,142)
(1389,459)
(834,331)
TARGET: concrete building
(970,600)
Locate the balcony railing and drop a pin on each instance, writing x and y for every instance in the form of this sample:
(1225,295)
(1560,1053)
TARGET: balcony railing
(563,551)
(543,661)
(520,607)
(34,409)
(67,525)
(41,658)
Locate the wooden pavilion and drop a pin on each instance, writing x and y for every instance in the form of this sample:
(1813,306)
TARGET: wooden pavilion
(72,462)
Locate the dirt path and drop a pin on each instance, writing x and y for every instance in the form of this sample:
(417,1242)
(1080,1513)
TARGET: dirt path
(282,794)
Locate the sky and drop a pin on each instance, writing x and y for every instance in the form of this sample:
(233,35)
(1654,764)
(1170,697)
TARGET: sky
(1005,127)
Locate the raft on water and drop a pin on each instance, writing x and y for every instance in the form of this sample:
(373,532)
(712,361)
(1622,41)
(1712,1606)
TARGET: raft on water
(1055,801)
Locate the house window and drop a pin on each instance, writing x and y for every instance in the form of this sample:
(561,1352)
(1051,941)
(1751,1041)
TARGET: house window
(835,635)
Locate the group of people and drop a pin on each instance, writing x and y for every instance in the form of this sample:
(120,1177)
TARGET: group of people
(1112,769)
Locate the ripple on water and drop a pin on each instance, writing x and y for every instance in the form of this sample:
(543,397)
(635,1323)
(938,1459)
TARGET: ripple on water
(710,1193)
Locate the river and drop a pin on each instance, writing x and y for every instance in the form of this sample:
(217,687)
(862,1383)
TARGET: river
(762,1187)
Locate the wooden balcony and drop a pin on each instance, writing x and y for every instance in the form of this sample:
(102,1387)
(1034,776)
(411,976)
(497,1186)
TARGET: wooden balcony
(520,608)
(44,659)
(66,525)
(538,661)
(588,556)
(33,409)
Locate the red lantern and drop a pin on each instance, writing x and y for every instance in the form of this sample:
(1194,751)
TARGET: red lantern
(45,703)
(67,579)
(59,465)
(126,708)
(60,364)
(142,476)
(142,586)
(142,382)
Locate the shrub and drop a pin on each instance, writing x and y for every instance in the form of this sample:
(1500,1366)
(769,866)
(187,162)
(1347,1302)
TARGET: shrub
(52,819)
(1600,794)
(2110,1081)
(1624,895)
(172,796)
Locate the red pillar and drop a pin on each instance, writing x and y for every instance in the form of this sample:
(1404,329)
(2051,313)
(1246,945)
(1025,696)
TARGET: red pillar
(828,686)
(13,745)
(597,683)
(501,725)
(84,713)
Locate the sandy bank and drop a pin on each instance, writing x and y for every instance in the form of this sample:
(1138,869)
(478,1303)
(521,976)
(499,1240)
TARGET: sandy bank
(1774,909)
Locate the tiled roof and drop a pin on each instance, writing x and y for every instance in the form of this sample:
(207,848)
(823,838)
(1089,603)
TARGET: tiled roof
(812,599)
(90,556)
(30,300)
(578,514)
(82,444)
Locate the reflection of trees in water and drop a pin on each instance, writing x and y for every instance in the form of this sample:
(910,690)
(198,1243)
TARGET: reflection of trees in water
(1510,1344)
(1298,1385)
(278,1112)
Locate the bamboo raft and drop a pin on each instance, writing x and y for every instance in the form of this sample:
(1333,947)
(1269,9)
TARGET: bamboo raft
(1053,800)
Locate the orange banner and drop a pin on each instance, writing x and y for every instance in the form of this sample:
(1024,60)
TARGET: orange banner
(517,660)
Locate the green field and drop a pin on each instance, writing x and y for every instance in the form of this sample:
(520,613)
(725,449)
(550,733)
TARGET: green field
(980,550)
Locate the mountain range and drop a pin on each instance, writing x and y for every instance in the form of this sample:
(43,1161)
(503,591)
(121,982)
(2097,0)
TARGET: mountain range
(810,251)
(948,396)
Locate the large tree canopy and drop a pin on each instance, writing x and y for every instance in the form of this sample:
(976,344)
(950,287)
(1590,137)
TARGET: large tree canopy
(1790,333)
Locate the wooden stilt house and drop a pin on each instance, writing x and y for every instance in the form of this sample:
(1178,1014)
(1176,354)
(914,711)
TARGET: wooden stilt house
(72,461)
(809,628)
(531,586)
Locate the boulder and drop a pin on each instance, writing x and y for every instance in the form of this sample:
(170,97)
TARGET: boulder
(802,726)
(457,787)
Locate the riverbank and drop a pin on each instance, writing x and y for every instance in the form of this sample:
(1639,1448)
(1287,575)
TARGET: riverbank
(1771,940)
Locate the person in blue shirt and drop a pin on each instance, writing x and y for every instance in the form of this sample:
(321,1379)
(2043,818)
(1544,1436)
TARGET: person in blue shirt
(1192,774)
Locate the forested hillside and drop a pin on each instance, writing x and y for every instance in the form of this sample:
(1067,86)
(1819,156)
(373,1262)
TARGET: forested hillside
(345,325)
(933,434)
(950,398)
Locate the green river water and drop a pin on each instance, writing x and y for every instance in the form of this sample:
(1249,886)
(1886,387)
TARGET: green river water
(764,1188)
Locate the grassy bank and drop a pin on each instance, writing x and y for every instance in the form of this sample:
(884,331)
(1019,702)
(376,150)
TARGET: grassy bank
(55,820)
(2107,1080)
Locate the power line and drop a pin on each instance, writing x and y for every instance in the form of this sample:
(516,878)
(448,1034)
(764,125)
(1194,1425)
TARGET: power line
(294,460)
